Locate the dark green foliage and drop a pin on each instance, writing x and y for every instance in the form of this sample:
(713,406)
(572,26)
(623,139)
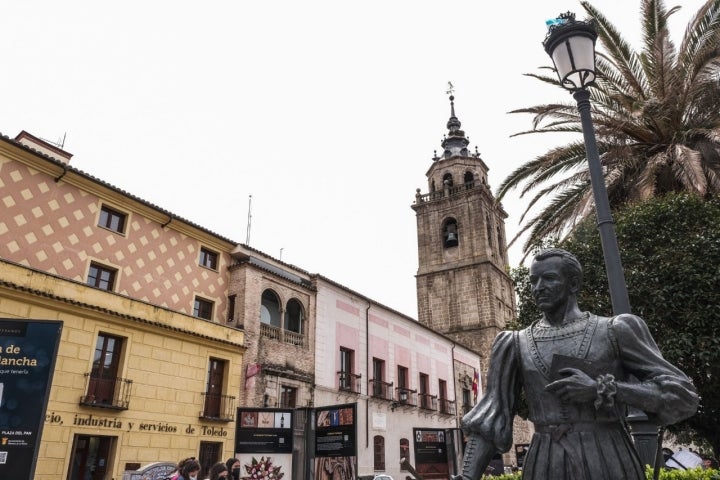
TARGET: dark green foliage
(670,249)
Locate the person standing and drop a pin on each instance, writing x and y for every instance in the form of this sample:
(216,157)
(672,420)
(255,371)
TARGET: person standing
(218,471)
(189,470)
(233,466)
(574,369)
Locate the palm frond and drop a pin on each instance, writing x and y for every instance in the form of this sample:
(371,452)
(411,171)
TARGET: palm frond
(687,166)
(619,52)
(700,41)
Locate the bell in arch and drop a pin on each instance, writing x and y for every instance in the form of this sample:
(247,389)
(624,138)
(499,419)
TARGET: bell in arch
(451,238)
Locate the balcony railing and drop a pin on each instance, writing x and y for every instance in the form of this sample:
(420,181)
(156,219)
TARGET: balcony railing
(445,192)
(293,338)
(219,408)
(447,407)
(269,331)
(466,408)
(427,401)
(287,336)
(380,389)
(405,396)
(106,392)
(349,382)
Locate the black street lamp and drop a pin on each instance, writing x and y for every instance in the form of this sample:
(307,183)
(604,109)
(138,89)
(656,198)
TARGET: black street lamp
(571,45)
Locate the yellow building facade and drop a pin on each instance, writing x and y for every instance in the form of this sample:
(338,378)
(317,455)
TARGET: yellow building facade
(147,368)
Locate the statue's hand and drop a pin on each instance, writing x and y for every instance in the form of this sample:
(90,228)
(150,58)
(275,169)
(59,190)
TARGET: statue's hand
(575,386)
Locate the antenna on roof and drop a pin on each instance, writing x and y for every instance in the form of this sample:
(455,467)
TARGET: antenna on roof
(249,220)
(60,142)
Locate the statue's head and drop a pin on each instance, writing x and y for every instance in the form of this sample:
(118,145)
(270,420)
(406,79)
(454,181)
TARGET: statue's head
(570,265)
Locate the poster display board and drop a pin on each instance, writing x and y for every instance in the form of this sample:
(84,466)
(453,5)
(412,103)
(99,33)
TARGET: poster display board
(336,442)
(264,443)
(431,454)
(28,349)
(264,430)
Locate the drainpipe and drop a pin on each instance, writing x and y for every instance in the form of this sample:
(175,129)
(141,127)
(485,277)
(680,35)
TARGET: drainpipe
(452,359)
(367,372)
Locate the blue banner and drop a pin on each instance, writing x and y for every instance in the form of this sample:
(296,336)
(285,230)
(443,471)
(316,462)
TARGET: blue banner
(28,350)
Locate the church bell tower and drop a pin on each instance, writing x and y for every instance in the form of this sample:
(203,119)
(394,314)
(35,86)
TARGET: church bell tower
(463,287)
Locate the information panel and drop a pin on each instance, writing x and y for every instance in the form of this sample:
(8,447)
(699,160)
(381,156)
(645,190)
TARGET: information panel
(28,349)
(431,458)
(335,431)
(264,431)
(336,442)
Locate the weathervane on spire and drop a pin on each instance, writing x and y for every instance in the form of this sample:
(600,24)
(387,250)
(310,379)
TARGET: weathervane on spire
(451,89)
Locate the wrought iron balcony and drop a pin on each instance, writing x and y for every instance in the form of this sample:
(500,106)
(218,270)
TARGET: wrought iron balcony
(380,389)
(447,407)
(349,382)
(466,408)
(106,392)
(219,408)
(427,401)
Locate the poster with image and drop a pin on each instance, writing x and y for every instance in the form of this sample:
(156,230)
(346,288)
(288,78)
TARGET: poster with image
(28,349)
(264,431)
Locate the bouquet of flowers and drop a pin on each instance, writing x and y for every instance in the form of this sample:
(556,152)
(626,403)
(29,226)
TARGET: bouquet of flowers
(262,470)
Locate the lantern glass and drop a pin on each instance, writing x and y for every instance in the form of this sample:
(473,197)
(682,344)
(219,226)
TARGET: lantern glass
(574,60)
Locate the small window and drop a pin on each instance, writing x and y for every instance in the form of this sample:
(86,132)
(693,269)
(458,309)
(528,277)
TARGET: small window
(288,396)
(101,277)
(379,452)
(231,308)
(208,259)
(214,401)
(379,389)
(346,369)
(104,386)
(404,453)
(424,380)
(112,219)
(203,308)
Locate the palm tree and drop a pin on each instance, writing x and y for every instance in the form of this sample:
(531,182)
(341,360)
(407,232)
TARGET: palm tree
(657,119)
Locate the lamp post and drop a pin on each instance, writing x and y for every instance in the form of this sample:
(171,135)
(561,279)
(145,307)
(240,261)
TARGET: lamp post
(571,45)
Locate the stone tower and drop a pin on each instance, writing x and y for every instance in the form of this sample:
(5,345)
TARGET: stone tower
(463,287)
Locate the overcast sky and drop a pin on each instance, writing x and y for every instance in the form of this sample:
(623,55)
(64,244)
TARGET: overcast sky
(326,112)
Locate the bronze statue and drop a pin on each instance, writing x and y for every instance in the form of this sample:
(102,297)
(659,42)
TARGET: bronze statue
(574,369)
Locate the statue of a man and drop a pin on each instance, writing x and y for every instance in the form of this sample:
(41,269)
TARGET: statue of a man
(574,368)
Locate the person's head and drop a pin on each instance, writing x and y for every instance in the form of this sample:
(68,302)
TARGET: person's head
(218,471)
(709,462)
(555,276)
(233,466)
(190,469)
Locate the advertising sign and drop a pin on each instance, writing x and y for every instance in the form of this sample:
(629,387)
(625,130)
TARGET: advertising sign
(28,350)
(431,458)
